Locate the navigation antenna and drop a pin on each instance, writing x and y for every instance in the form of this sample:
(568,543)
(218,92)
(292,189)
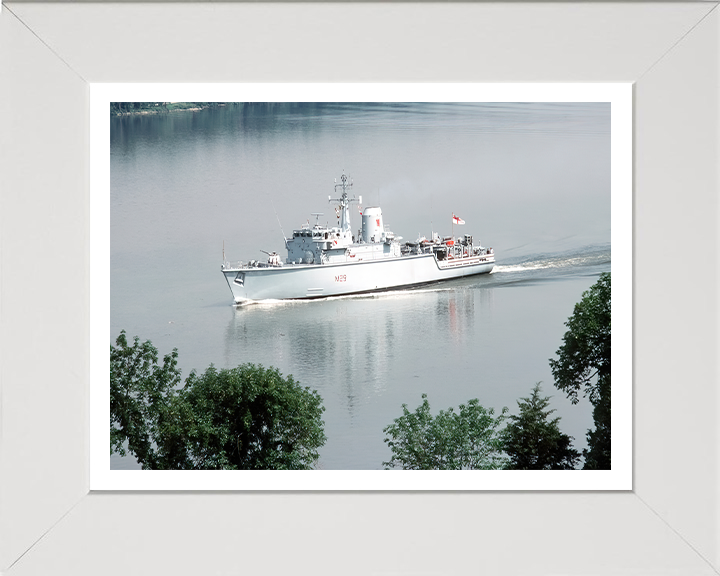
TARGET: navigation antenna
(344,201)
(278,219)
(317,216)
(343,183)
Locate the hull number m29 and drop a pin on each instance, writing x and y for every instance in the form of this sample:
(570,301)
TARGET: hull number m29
(341,278)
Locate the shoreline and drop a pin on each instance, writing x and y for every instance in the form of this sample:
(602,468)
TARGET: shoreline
(163,111)
(160,109)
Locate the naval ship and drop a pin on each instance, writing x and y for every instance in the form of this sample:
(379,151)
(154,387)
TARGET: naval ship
(325,261)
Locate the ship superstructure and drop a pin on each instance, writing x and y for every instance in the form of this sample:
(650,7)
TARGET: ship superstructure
(327,261)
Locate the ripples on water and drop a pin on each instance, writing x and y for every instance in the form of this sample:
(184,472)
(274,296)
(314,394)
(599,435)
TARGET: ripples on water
(587,260)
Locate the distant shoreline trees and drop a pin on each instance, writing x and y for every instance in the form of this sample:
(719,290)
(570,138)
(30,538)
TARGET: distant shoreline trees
(125,108)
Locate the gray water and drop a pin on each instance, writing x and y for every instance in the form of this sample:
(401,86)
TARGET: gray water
(530,180)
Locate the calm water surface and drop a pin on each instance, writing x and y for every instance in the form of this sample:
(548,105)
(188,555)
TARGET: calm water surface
(530,180)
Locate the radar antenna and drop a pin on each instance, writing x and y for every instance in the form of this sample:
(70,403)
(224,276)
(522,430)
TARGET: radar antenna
(344,201)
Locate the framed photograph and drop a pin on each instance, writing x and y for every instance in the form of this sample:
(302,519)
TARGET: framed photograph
(376,319)
(653,66)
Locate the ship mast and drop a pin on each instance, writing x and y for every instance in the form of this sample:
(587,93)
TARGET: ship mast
(344,202)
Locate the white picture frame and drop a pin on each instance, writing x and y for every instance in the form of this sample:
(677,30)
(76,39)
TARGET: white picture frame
(666,524)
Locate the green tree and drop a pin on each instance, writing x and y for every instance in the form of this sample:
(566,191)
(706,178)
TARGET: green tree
(248,417)
(597,454)
(583,366)
(463,440)
(532,442)
(140,390)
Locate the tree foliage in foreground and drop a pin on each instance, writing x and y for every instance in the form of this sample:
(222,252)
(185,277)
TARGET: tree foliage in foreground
(463,440)
(532,442)
(140,392)
(583,366)
(248,417)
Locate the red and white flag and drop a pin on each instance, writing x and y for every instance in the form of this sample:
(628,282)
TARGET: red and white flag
(457,220)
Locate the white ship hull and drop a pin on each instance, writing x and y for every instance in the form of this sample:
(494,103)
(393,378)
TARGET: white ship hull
(304,281)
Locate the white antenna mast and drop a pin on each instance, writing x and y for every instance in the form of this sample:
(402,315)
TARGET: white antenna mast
(278,219)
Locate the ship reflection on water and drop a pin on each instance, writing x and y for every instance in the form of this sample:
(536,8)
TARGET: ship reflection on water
(366,356)
(352,338)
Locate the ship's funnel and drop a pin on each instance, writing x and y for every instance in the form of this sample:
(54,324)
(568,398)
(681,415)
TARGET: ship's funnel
(372,224)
